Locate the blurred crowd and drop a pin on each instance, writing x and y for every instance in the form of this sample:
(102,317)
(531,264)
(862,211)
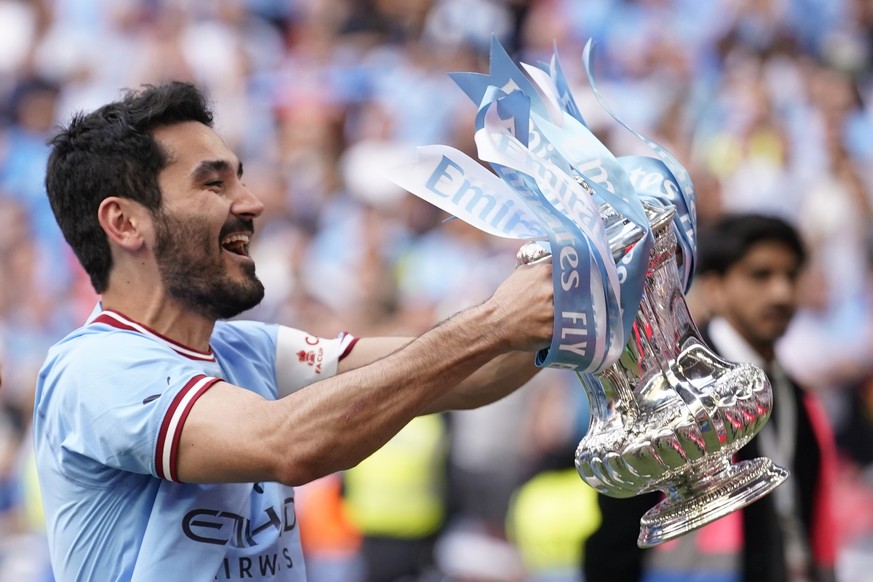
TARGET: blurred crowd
(764,101)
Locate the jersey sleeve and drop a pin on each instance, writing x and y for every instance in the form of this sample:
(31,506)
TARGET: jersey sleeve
(302,359)
(118,401)
(275,360)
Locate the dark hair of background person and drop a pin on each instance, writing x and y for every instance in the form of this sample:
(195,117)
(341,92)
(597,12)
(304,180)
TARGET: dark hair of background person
(725,241)
(112,152)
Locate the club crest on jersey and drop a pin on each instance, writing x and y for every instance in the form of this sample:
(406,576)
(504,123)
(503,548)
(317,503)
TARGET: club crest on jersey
(313,358)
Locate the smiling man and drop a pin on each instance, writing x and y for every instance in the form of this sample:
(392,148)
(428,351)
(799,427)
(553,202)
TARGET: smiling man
(168,439)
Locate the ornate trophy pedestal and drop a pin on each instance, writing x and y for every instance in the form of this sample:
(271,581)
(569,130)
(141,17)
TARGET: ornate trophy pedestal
(692,504)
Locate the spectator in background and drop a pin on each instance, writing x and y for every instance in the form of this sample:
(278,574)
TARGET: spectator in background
(749,267)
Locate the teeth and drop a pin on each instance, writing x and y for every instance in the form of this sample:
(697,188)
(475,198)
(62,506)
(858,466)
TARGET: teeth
(236,238)
(236,243)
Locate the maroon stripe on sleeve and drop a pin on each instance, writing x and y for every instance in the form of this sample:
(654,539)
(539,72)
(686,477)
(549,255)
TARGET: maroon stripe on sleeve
(166,449)
(347,342)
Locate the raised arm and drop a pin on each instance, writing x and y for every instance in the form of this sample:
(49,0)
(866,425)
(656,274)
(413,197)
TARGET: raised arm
(498,378)
(232,434)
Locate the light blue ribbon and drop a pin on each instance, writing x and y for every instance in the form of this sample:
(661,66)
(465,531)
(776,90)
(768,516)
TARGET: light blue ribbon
(574,149)
(610,183)
(565,96)
(587,328)
(503,74)
(683,198)
(533,135)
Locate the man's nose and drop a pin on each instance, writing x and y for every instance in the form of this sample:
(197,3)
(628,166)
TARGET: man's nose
(783,288)
(246,203)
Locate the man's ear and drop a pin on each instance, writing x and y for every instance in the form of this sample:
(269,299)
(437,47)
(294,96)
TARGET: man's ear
(124,221)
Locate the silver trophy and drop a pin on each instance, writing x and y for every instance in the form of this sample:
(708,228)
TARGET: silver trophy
(670,414)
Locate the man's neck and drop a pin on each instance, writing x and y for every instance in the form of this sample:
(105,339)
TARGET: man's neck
(165,317)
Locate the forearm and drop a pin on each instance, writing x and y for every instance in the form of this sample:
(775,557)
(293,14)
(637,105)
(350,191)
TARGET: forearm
(336,423)
(232,434)
(498,378)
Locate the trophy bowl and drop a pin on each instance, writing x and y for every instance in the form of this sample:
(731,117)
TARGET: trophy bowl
(669,414)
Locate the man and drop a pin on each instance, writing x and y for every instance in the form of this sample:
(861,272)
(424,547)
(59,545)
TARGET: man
(168,441)
(748,269)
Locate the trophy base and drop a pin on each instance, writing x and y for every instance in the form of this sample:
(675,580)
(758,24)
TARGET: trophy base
(744,483)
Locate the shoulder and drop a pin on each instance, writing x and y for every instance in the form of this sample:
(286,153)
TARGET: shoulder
(101,346)
(87,363)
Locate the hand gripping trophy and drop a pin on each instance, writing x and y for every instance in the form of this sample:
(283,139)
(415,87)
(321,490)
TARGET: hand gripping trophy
(667,414)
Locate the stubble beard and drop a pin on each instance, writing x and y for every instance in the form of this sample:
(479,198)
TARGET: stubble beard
(198,278)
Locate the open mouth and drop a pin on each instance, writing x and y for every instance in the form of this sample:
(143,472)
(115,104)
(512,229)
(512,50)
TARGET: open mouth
(238,244)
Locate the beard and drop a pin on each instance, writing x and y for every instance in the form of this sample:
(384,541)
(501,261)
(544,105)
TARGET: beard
(198,278)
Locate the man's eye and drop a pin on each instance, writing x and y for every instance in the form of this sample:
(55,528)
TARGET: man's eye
(215,184)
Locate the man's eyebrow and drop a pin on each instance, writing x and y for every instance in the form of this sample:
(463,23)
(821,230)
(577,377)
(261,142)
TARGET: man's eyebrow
(207,168)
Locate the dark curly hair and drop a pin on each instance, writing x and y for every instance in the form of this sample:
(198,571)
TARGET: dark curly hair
(112,152)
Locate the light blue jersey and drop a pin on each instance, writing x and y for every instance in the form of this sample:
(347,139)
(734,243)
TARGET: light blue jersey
(111,401)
